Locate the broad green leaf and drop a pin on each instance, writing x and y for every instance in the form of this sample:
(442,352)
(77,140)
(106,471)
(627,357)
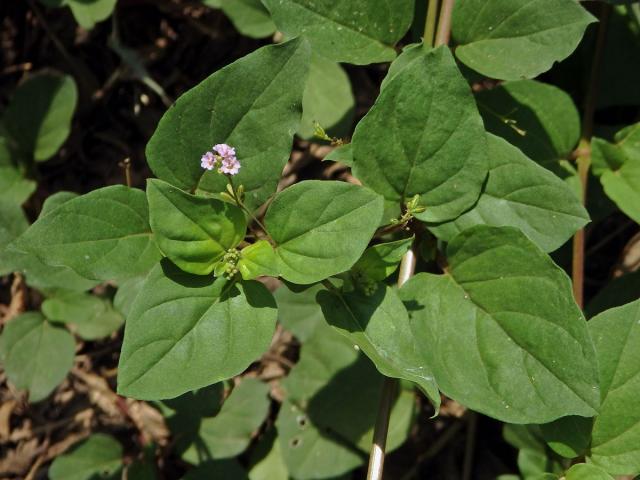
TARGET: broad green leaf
(89,12)
(321,228)
(102,235)
(618,166)
(514,39)
(327,99)
(379,325)
(99,456)
(36,355)
(299,312)
(258,259)
(55,200)
(342,154)
(204,402)
(37,274)
(539,119)
(502,332)
(617,292)
(255,113)
(381,260)
(13,223)
(14,188)
(193,232)
(424,136)
(410,53)
(330,409)
(584,471)
(229,433)
(194,330)
(534,458)
(568,436)
(250,17)
(266,459)
(358,31)
(616,429)
(92,317)
(126,294)
(38,117)
(219,469)
(520,193)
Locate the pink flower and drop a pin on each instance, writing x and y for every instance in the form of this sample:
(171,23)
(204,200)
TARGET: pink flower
(223,154)
(229,166)
(208,161)
(225,151)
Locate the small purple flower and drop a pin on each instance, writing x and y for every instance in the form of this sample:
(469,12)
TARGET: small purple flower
(230,166)
(225,151)
(208,161)
(223,154)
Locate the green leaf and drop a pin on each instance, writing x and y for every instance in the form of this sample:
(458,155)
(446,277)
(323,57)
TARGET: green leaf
(99,456)
(502,332)
(381,260)
(358,31)
(410,53)
(568,436)
(258,259)
(327,99)
(616,430)
(193,232)
(229,433)
(92,317)
(330,409)
(55,200)
(618,166)
(250,17)
(342,154)
(379,325)
(424,136)
(321,228)
(514,39)
(539,119)
(520,193)
(193,330)
(89,12)
(126,294)
(13,223)
(299,312)
(38,117)
(266,459)
(254,105)
(36,355)
(583,471)
(14,188)
(102,235)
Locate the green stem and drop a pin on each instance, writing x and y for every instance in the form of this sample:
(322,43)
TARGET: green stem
(243,207)
(430,22)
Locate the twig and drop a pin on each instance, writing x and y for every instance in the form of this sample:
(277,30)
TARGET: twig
(389,388)
(584,159)
(444,23)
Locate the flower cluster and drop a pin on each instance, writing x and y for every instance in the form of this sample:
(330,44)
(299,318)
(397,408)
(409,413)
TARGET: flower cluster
(223,157)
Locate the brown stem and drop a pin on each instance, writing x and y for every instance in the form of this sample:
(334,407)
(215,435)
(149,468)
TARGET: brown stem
(389,389)
(584,158)
(444,24)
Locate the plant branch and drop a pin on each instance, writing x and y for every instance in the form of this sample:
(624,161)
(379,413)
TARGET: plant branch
(584,158)
(389,389)
(430,22)
(444,23)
